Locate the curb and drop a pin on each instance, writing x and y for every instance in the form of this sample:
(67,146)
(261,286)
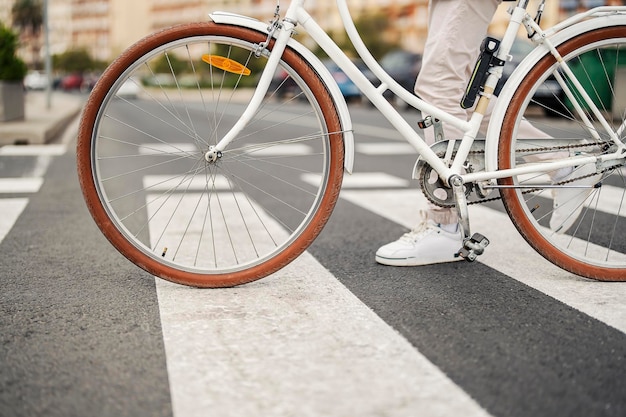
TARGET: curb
(41,125)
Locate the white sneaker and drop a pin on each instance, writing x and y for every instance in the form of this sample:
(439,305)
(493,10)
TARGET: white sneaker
(569,202)
(425,245)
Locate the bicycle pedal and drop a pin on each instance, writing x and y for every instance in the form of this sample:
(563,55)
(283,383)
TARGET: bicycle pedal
(473,247)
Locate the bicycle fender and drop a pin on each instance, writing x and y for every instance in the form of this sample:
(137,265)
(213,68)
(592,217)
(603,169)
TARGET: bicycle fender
(518,75)
(340,102)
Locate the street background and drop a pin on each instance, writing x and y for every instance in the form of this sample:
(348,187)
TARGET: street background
(85,332)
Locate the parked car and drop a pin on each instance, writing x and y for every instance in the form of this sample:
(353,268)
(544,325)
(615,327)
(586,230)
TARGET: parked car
(72,82)
(283,86)
(89,82)
(550,95)
(159,80)
(129,89)
(403,66)
(35,80)
(348,89)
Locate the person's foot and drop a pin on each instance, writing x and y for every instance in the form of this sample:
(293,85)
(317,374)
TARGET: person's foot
(428,244)
(569,202)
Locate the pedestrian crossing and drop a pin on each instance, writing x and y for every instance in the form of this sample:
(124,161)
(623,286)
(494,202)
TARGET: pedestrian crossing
(20,185)
(10,206)
(296,343)
(33,150)
(510,254)
(295,335)
(299,342)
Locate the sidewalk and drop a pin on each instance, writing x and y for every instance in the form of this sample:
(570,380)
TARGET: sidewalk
(42,124)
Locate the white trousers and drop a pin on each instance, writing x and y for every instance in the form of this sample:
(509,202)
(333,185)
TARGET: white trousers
(456,30)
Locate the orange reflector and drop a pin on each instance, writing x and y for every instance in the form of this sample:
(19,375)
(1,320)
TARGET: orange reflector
(225,64)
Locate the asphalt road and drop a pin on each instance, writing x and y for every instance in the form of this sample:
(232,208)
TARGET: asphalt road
(84,332)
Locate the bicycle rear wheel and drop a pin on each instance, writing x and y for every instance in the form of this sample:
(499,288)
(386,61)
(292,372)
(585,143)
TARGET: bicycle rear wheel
(147,127)
(583,231)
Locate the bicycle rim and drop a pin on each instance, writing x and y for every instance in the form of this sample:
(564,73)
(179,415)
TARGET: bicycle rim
(583,231)
(141,157)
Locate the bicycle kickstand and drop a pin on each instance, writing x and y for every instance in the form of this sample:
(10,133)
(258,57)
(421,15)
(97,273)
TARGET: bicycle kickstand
(476,244)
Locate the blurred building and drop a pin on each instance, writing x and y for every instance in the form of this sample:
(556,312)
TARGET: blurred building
(106,27)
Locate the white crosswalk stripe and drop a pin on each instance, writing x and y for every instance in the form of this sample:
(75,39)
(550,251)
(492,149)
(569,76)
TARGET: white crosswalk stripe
(33,150)
(509,254)
(303,344)
(20,185)
(364,180)
(11,208)
(296,343)
(386,148)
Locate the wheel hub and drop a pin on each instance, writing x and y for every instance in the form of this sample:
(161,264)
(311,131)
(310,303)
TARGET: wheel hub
(212,155)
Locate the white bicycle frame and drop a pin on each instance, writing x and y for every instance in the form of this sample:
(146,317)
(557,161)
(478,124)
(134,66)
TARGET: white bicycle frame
(547,41)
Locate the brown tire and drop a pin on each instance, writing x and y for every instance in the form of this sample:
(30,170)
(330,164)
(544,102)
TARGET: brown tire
(592,244)
(144,135)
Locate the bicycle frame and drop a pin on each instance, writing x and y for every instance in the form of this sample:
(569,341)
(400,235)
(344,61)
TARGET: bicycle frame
(247,206)
(297,15)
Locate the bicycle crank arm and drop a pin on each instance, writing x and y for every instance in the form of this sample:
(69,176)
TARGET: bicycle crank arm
(476,244)
(461,204)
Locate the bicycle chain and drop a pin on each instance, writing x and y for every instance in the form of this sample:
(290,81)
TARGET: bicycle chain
(604,145)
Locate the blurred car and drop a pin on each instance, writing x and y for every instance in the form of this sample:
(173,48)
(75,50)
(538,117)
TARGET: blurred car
(71,82)
(89,82)
(35,80)
(129,89)
(348,89)
(284,86)
(159,80)
(549,95)
(403,66)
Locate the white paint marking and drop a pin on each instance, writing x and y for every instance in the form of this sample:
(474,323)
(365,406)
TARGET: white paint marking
(281,150)
(386,148)
(11,208)
(197,183)
(33,150)
(20,185)
(296,343)
(509,253)
(167,148)
(364,180)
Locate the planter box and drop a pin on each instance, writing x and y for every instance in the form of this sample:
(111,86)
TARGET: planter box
(11,101)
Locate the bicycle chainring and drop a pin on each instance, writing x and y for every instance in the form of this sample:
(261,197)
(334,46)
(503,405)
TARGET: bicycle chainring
(434,188)
(441,195)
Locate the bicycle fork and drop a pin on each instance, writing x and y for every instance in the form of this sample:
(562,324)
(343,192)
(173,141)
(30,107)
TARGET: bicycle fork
(286,25)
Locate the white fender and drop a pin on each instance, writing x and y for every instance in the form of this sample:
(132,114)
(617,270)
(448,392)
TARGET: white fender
(522,69)
(340,102)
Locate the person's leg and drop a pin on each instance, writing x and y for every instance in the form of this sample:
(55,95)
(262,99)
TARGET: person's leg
(456,30)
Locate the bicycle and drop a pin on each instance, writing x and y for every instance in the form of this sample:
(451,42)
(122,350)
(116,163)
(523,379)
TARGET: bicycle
(185,183)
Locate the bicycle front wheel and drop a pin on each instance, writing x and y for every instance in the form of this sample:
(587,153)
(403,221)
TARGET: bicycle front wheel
(149,185)
(574,217)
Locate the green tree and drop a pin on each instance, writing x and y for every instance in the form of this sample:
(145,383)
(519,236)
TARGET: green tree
(28,18)
(167,64)
(372,29)
(11,67)
(76,60)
